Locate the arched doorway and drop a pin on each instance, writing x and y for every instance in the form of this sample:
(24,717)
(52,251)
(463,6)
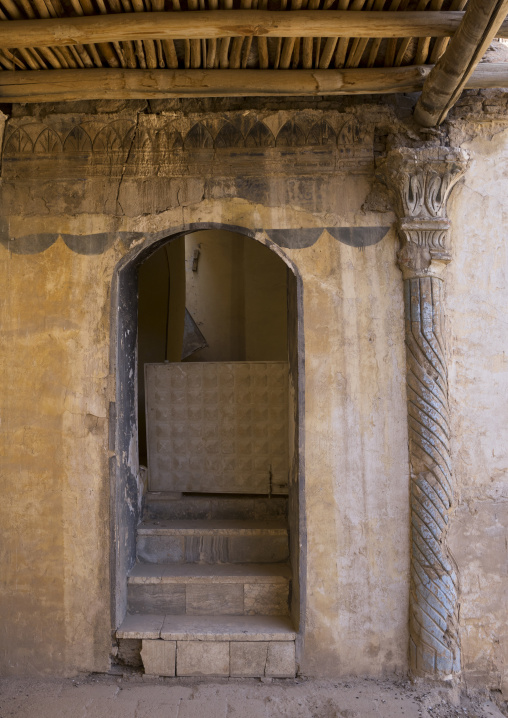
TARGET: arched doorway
(207,539)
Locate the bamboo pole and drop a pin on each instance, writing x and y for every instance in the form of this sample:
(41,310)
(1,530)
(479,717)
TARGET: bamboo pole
(247,44)
(441,43)
(194,43)
(263,43)
(289,42)
(405,53)
(212,43)
(331,42)
(28,56)
(119,52)
(342,47)
(236,45)
(422,50)
(391,45)
(127,47)
(104,47)
(149,50)
(308,42)
(225,42)
(359,43)
(10,61)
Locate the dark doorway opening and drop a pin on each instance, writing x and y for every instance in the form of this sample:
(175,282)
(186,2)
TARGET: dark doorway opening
(203,299)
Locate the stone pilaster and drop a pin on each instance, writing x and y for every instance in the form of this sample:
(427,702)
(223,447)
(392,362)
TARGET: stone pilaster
(420,181)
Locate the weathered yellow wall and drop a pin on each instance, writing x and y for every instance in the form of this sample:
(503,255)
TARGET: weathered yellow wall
(55,314)
(356,460)
(54,547)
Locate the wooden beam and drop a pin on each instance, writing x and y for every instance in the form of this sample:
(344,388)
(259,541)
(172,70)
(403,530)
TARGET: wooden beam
(488,75)
(482,20)
(124,27)
(116,84)
(113,84)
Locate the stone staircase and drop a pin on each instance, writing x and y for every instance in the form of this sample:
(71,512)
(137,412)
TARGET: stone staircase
(209,594)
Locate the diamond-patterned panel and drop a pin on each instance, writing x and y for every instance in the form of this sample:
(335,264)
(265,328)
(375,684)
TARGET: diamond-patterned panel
(217,426)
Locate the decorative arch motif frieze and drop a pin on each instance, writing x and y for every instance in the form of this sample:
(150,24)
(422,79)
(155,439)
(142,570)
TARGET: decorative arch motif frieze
(156,134)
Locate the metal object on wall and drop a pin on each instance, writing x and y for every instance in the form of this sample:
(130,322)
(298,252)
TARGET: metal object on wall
(193,339)
(420,181)
(218,427)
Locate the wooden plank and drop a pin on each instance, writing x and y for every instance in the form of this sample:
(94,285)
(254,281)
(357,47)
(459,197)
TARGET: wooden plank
(106,83)
(482,20)
(53,32)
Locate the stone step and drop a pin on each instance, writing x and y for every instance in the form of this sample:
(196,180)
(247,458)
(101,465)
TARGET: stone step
(207,628)
(209,589)
(162,505)
(243,646)
(212,541)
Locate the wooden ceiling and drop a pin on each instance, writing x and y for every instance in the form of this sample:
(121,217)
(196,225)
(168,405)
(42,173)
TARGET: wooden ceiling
(115,49)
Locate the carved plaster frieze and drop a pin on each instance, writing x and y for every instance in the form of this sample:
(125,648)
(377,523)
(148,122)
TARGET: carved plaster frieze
(233,144)
(149,134)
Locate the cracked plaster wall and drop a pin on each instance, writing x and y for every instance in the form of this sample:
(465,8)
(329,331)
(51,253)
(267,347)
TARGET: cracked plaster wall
(69,216)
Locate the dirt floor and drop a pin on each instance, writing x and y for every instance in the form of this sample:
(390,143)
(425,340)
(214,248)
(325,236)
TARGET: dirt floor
(132,695)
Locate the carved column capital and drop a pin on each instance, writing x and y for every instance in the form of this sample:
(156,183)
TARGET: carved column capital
(420,182)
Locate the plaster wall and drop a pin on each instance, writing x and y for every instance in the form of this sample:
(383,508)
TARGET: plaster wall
(477,298)
(153,308)
(70,217)
(237,296)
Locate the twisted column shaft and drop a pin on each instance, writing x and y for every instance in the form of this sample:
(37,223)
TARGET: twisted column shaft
(434,641)
(420,182)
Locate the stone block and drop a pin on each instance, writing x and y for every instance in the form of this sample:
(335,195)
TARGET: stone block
(206,549)
(280,661)
(160,549)
(258,549)
(156,598)
(248,658)
(142,626)
(227,628)
(129,652)
(266,599)
(202,658)
(212,708)
(250,708)
(159,657)
(214,599)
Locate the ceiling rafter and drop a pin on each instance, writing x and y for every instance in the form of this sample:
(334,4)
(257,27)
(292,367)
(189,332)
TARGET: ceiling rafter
(449,77)
(107,83)
(54,32)
(94,49)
